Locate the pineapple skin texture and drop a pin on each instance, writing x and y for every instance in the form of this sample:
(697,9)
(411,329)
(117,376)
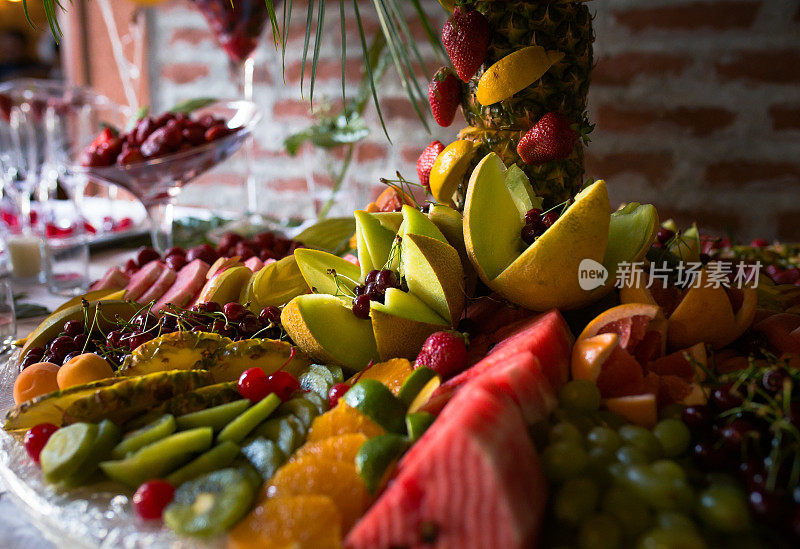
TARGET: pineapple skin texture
(554,25)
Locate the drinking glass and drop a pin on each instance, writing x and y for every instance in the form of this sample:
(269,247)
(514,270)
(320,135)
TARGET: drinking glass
(8,317)
(65,249)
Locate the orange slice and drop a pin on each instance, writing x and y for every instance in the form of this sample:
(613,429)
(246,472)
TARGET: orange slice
(391,373)
(338,448)
(337,480)
(300,522)
(340,421)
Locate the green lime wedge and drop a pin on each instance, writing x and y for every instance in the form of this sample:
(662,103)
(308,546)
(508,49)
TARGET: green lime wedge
(66,450)
(417,423)
(248,420)
(375,457)
(414,384)
(376,401)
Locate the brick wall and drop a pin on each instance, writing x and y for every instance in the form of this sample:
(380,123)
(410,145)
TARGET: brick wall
(697,105)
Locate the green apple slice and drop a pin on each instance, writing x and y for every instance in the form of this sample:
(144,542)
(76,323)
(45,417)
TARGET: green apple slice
(433,273)
(325,327)
(374,242)
(521,191)
(226,286)
(631,232)
(491,228)
(450,223)
(416,222)
(406,305)
(398,337)
(276,283)
(389,220)
(316,266)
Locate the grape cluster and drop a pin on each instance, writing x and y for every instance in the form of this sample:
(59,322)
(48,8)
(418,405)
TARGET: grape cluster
(536,223)
(374,289)
(618,485)
(231,320)
(749,428)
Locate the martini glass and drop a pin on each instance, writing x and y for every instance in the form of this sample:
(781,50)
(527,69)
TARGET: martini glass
(158,181)
(237,27)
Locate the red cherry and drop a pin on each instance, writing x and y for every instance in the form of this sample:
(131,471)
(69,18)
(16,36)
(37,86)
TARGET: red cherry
(152,497)
(337,392)
(283,384)
(233,311)
(36,438)
(253,384)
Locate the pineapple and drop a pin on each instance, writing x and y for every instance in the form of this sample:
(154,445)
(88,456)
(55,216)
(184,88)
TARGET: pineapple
(555,25)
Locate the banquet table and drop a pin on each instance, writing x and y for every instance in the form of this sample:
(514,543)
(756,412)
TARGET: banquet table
(16,532)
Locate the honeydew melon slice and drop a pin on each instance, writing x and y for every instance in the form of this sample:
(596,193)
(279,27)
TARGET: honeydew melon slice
(374,242)
(434,275)
(315,266)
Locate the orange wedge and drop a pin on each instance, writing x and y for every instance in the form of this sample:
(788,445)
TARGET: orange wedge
(337,448)
(300,522)
(391,373)
(340,421)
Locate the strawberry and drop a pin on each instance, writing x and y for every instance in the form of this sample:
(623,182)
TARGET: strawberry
(426,160)
(444,95)
(551,138)
(445,353)
(466,38)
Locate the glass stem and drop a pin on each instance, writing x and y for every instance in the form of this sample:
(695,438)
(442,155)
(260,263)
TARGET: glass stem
(160,215)
(245,77)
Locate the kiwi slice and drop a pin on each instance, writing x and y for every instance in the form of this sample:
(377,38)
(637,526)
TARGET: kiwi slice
(316,382)
(210,504)
(133,441)
(108,435)
(66,450)
(287,432)
(318,401)
(217,417)
(324,371)
(159,458)
(216,458)
(240,427)
(299,407)
(264,455)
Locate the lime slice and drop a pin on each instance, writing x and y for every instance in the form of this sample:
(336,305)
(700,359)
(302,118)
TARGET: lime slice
(218,457)
(66,450)
(376,456)
(417,423)
(240,427)
(301,408)
(414,384)
(424,395)
(133,441)
(287,432)
(217,417)
(376,401)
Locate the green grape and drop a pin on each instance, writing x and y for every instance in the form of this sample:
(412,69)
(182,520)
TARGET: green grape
(612,420)
(660,538)
(668,470)
(723,508)
(580,394)
(673,435)
(565,432)
(660,493)
(672,411)
(576,499)
(642,439)
(600,531)
(563,460)
(672,520)
(630,455)
(618,471)
(583,421)
(629,509)
(600,460)
(605,438)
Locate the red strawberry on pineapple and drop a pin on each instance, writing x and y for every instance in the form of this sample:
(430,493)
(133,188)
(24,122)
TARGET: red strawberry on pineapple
(445,353)
(426,160)
(466,38)
(444,95)
(549,139)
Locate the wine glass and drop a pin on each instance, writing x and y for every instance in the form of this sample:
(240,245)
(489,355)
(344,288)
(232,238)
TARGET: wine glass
(157,181)
(237,27)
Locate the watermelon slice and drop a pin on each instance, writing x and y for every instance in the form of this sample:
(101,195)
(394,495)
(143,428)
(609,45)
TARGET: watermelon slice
(473,480)
(546,337)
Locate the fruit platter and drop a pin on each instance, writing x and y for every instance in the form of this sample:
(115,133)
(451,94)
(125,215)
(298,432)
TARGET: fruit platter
(492,355)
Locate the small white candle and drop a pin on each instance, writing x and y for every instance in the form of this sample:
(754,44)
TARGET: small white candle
(25,254)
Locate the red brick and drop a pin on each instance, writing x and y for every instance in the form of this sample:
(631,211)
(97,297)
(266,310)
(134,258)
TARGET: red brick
(785,117)
(191,36)
(398,108)
(622,69)
(370,152)
(774,67)
(289,184)
(720,15)
(220,179)
(327,69)
(653,166)
(789,226)
(291,108)
(699,121)
(742,172)
(184,73)
(323,180)
(715,221)
(409,154)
